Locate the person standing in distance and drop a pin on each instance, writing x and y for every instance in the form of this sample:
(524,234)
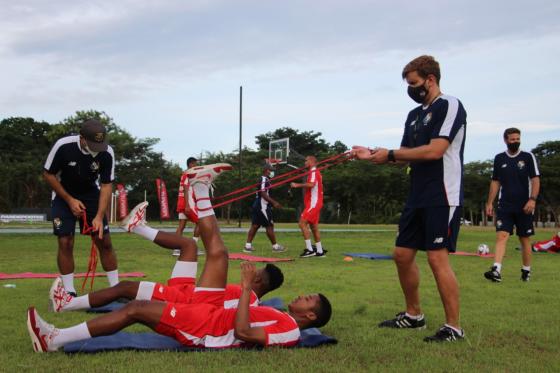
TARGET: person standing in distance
(433,144)
(80,169)
(516,177)
(186,207)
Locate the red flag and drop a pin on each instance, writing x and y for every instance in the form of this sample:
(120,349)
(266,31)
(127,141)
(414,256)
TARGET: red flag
(122,201)
(162,198)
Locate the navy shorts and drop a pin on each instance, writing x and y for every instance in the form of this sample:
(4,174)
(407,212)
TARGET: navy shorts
(429,228)
(505,220)
(64,222)
(260,217)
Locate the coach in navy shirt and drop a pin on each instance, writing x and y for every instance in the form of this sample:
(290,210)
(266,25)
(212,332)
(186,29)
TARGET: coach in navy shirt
(80,169)
(433,144)
(516,178)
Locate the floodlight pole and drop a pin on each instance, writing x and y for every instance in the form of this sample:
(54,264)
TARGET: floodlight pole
(240,149)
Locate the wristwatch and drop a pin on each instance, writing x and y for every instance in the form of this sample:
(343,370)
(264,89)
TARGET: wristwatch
(391,156)
(534,198)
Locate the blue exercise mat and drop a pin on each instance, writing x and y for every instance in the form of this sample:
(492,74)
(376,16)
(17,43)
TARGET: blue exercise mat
(156,342)
(370,256)
(272,302)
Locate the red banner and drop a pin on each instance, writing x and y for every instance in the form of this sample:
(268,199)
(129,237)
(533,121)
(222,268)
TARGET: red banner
(162,198)
(122,201)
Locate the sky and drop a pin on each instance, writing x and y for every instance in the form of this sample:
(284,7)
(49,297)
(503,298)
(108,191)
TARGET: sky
(172,69)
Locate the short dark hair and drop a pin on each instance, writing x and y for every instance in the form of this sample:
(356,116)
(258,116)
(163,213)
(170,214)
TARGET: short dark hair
(424,66)
(191,160)
(511,131)
(275,277)
(323,312)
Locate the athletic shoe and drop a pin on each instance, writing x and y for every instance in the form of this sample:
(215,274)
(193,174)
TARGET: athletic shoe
(58,296)
(445,334)
(321,255)
(249,249)
(176,252)
(137,216)
(200,252)
(278,249)
(207,174)
(525,275)
(402,321)
(41,332)
(493,275)
(307,253)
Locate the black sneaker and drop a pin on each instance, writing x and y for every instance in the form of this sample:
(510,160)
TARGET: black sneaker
(321,255)
(446,334)
(493,275)
(307,253)
(401,321)
(525,275)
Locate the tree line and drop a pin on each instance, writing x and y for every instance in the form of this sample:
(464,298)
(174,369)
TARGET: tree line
(354,191)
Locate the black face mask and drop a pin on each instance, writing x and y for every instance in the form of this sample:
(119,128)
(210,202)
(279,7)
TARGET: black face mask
(418,94)
(513,146)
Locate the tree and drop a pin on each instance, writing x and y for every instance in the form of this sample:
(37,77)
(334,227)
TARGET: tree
(548,155)
(477,176)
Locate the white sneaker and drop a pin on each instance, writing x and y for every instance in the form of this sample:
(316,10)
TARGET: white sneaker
(200,252)
(207,174)
(249,249)
(278,249)
(136,216)
(58,296)
(176,252)
(41,332)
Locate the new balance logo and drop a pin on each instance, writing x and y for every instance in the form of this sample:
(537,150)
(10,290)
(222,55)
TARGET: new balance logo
(504,165)
(71,164)
(438,240)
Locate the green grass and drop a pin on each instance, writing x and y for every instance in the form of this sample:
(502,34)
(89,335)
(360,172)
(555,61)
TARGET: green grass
(512,326)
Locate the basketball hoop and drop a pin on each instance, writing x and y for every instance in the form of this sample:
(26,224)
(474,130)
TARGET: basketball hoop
(273,161)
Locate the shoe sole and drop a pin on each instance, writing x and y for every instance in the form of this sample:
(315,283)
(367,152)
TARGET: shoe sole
(248,251)
(125,223)
(492,279)
(307,256)
(34,332)
(396,327)
(217,169)
(52,302)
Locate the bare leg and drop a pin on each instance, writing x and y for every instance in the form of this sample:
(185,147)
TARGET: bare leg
(409,278)
(65,257)
(315,231)
(447,284)
(252,231)
(214,274)
(501,241)
(304,230)
(106,252)
(526,250)
(181,227)
(124,289)
(196,231)
(173,241)
(270,234)
(144,312)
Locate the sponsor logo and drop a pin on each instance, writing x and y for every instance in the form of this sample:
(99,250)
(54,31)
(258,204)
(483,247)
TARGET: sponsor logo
(57,223)
(529,231)
(438,240)
(521,165)
(427,118)
(173,312)
(71,164)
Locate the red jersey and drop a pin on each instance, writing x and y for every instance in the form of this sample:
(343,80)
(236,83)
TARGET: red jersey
(314,196)
(185,191)
(206,325)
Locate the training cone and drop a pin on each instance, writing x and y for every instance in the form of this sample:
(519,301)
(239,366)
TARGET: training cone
(348,259)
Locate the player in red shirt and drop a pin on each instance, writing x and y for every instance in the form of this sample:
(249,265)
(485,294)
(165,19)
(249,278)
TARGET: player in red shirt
(205,322)
(313,203)
(186,207)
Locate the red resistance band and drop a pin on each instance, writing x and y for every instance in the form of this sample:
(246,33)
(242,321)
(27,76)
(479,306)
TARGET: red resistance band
(92,263)
(337,159)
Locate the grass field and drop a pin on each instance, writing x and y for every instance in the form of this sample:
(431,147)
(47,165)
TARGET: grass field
(512,326)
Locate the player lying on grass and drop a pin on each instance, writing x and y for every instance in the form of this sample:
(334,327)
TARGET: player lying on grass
(552,245)
(180,287)
(205,322)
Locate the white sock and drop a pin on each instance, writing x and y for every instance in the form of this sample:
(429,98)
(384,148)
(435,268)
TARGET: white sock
(319,247)
(68,282)
(184,269)
(459,331)
(526,268)
(113,277)
(201,192)
(415,317)
(72,334)
(148,233)
(498,267)
(308,245)
(248,245)
(196,238)
(78,303)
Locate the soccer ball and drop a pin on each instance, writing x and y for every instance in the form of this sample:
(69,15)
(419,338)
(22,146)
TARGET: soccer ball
(483,249)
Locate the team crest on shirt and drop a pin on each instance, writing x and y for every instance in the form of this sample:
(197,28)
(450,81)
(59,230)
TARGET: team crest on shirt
(499,224)
(99,137)
(173,312)
(57,223)
(427,118)
(94,166)
(521,165)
